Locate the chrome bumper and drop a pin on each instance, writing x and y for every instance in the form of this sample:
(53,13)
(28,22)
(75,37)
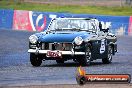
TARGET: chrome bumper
(63,52)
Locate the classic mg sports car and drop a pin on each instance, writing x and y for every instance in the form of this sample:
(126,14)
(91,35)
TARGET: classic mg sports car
(80,39)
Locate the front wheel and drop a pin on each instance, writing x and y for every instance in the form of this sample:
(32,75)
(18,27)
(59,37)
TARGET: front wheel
(86,59)
(108,59)
(35,60)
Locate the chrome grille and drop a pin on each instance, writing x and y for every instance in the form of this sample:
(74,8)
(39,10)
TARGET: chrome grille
(57,46)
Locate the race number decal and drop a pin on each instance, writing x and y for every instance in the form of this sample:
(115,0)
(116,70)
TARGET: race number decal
(102,48)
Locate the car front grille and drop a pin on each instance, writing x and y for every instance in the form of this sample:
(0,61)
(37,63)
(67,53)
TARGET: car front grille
(57,46)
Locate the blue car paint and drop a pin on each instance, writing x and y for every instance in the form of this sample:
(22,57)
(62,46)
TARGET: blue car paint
(61,37)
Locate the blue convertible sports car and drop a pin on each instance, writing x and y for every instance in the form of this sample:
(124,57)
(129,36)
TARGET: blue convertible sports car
(80,39)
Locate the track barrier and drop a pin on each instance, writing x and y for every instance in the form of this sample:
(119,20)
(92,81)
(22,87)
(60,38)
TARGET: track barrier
(39,21)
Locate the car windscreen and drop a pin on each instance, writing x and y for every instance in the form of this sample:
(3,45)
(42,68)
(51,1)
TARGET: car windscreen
(74,25)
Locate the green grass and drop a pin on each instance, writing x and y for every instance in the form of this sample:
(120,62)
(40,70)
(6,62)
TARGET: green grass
(122,11)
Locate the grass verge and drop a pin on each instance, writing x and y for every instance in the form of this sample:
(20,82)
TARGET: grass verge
(103,10)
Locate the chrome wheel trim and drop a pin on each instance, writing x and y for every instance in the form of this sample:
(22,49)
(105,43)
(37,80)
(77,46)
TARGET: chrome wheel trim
(110,54)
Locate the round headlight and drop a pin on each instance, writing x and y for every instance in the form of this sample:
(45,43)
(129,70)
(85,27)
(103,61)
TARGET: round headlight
(33,39)
(78,40)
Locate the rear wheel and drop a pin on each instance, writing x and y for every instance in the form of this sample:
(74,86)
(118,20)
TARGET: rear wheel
(108,59)
(35,60)
(86,59)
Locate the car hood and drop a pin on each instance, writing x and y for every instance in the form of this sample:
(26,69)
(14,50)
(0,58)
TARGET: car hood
(61,37)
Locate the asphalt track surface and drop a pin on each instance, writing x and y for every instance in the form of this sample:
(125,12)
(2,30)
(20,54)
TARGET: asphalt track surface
(16,70)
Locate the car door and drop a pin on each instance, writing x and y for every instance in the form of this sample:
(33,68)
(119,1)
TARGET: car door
(102,44)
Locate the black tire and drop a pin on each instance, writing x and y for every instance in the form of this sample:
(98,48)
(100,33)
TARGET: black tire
(35,60)
(59,61)
(108,59)
(86,59)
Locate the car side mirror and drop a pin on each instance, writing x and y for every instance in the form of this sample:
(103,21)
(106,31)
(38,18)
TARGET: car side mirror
(101,29)
(105,30)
